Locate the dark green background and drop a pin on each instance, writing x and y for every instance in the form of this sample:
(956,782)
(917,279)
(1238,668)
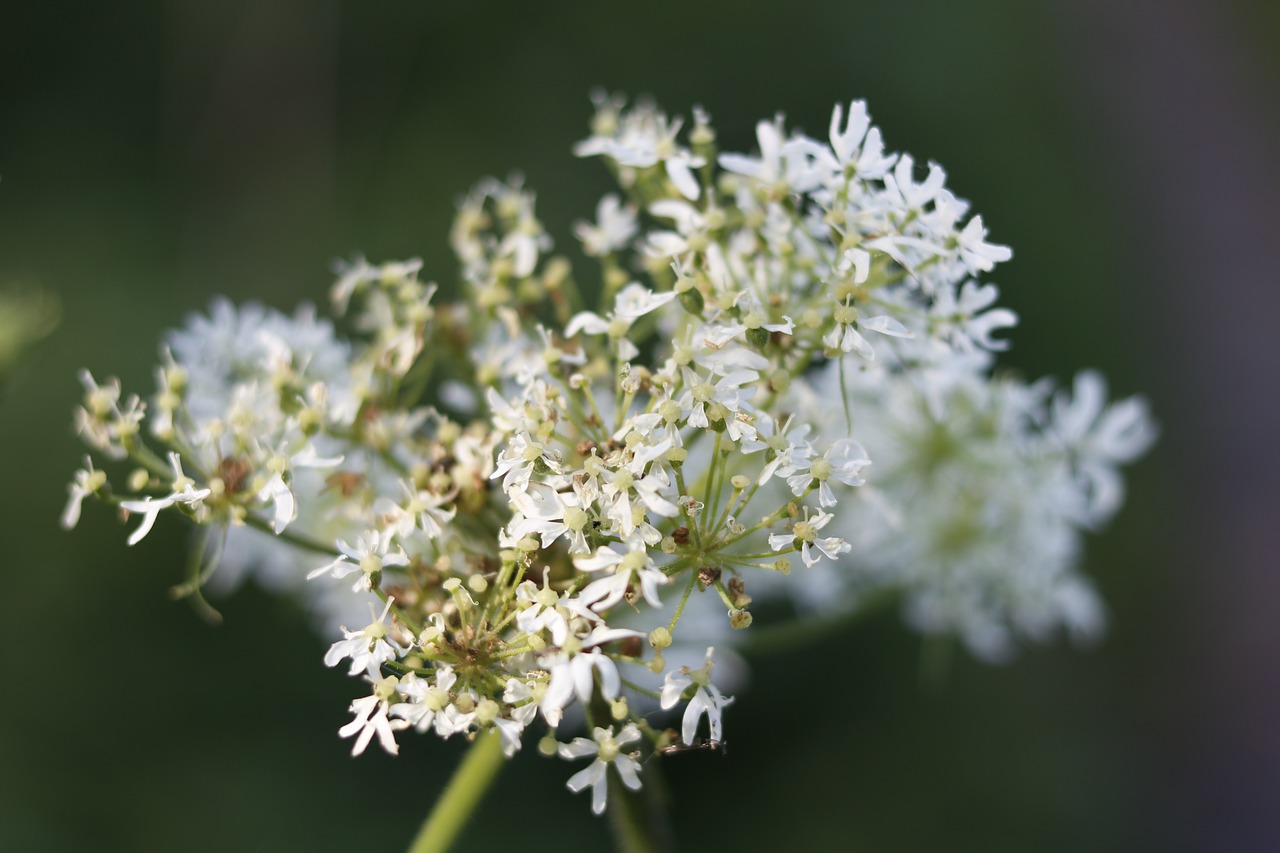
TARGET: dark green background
(153,155)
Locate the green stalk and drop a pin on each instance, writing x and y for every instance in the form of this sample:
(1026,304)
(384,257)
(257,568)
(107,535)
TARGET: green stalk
(684,599)
(638,819)
(461,796)
(716,484)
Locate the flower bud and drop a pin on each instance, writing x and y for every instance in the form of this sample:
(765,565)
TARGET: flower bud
(487,711)
(691,301)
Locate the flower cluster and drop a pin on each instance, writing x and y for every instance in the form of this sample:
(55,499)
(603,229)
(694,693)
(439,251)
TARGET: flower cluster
(542,505)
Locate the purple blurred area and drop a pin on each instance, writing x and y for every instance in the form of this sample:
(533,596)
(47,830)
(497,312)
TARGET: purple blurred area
(1186,97)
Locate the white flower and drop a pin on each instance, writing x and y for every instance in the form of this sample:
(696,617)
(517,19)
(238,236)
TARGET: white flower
(843,336)
(726,401)
(575,675)
(511,731)
(976,252)
(910,195)
(642,138)
(371,718)
(353,276)
(573,670)
(617,225)
(370,554)
(101,409)
(87,482)
(522,706)
(783,440)
(787,166)
(633,301)
(627,567)
(1101,438)
(548,514)
(279,493)
(967,320)
(804,535)
(857,147)
(842,462)
(523,243)
(707,699)
(607,749)
(184,492)
(368,648)
(421,510)
(649,488)
(691,229)
(517,460)
(546,610)
(434,704)
(235,352)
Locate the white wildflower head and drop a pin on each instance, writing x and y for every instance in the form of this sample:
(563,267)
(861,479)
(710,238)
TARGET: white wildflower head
(789,359)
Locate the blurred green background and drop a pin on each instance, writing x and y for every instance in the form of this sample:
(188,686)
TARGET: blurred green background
(155,154)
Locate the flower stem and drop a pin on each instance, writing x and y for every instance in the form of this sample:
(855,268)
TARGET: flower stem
(638,819)
(461,796)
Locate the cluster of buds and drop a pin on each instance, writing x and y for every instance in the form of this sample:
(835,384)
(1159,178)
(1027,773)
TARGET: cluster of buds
(544,512)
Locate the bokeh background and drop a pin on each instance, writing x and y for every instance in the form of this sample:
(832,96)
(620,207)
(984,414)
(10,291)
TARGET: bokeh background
(155,154)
